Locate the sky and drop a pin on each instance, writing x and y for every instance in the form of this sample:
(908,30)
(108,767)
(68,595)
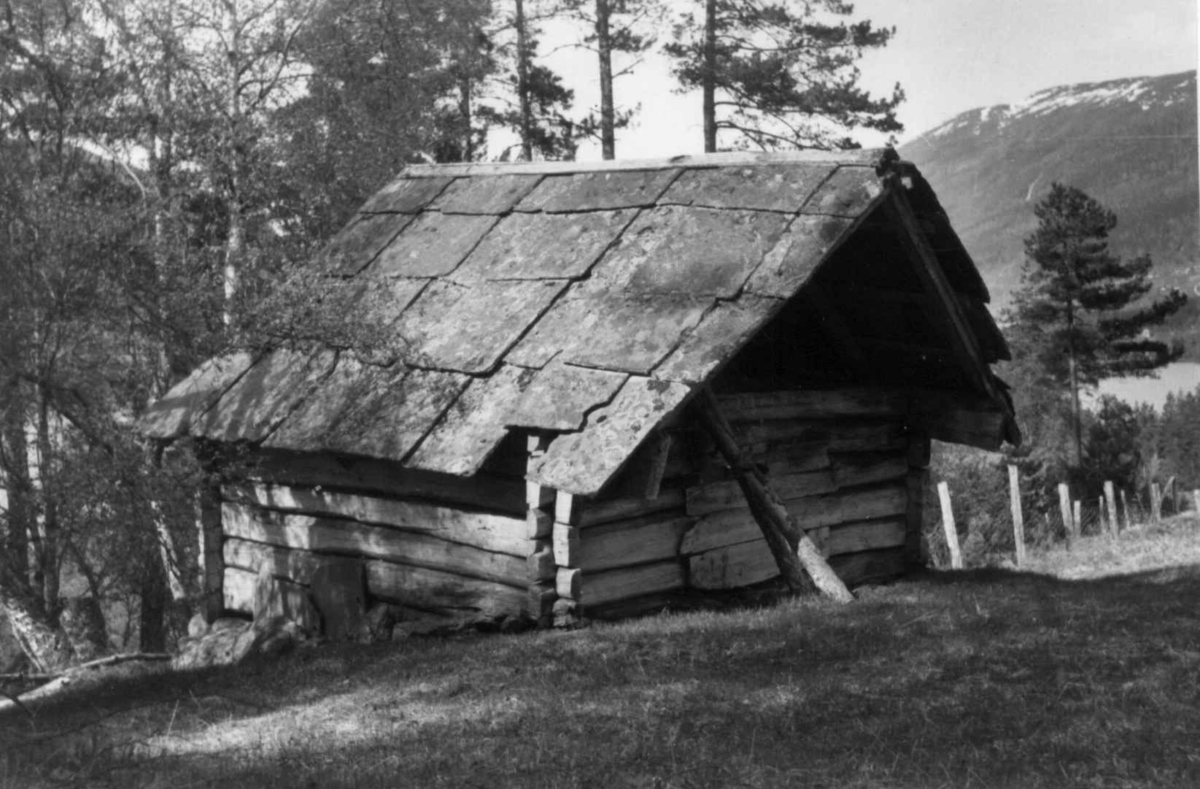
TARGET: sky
(948,55)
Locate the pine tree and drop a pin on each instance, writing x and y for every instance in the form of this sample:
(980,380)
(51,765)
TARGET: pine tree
(1084,304)
(613,27)
(782,74)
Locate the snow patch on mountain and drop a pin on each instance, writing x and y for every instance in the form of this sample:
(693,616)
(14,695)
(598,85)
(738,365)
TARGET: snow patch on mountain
(1147,92)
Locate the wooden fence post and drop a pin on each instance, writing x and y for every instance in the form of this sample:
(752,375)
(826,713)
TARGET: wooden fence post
(1196,499)
(1125,508)
(1155,502)
(1111,498)
(1064,506)
(1077,512)
(1100,515)
(1014,494)
(949,527)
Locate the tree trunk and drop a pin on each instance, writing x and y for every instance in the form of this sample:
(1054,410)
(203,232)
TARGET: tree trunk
(40,638)
(152,630)
(235,241)
(47,557)
(1076,410)
(465,110)
(526,107)
(788,542)
(608,143)
(15,480)
(710,76)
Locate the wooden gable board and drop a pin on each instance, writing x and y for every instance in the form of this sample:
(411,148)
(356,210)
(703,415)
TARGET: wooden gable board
(593,191)
(593,328)
(433,245)
(406,195)
(718,336)
(544,246)
(482,324)
(761,188)
(173,414)
(352,249)
(496,194)
(260,399)
(580,463)
(475,425)
(849,192)
(697,251)
(809,240)
(561,395)
(401,409)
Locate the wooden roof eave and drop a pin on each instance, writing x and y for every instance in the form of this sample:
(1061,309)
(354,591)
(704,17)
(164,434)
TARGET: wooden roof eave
(948,311)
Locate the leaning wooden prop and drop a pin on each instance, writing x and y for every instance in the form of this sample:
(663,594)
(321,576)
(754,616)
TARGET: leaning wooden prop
(794,552)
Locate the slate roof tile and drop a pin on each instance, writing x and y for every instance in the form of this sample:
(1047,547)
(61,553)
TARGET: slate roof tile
(597,191)
(696,251)
(761,188)
(544,246)
(433,245)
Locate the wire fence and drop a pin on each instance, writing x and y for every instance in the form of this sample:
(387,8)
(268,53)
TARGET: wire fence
(982,512)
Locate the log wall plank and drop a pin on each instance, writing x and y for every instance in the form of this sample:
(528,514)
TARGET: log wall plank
(606,587)
(482,491)
(727,495)
(736,526)
(732,566)
(625,543)
(326,535)
(868,468)
(435,590)
(594,513)
(815,404)
(499,533)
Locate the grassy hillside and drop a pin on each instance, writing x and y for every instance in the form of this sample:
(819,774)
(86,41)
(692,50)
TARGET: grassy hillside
(1132,144)
(970,679)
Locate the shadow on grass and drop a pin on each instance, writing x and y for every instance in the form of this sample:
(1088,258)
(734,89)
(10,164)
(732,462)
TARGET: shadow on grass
(978,678)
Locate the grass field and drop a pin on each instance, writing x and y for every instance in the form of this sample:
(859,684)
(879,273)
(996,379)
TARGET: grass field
(1064,676)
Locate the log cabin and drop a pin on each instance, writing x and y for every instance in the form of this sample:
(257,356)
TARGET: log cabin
(536,450)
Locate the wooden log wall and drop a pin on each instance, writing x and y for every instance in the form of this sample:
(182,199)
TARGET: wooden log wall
(848,464)
(852,466)
(460,548)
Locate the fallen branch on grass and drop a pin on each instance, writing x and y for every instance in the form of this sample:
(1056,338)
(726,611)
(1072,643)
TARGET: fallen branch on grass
(52,682)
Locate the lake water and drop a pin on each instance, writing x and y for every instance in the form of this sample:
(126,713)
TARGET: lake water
(1178,377)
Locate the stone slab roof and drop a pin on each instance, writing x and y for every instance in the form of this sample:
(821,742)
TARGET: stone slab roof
(586,299)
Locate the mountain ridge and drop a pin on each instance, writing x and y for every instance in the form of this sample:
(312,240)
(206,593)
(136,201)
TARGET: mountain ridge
(1130,143)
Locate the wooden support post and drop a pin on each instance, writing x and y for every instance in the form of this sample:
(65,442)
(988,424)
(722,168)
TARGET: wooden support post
(1196,501)
(539,529)
(948,526)
(794,552)
(1155,503)
(1064,507)
(1111,498)
(568,581)
(1125,509)
(212,559)
(541,562)
(1103,527)
(1077,517)
(1014,494)
(916,482)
